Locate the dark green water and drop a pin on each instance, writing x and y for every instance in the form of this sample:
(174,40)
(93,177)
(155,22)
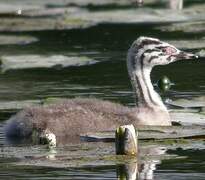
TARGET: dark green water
(107,79)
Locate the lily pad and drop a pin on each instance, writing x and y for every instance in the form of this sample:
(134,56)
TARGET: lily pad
(154,133)
(79,17)
(59,3)
(189,44)
(52,100)
(12,39)
(38,61)
(21,104)
(12,8)
(191,102)
(190,111)
(49,12)
(16,105)
(189,27)
(201,53)
(80,155)
(188,118)
(132,16)
(44,23)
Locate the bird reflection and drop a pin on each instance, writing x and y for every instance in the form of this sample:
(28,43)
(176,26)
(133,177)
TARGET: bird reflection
(144,167)
(175,4)
(171,4)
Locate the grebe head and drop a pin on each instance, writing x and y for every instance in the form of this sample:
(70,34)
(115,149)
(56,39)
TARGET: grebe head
(151,52)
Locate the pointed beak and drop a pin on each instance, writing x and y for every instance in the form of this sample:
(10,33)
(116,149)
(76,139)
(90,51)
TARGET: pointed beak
(184,55)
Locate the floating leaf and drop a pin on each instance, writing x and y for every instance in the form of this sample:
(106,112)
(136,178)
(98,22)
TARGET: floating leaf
(38,61)
(16,105)
(12,39)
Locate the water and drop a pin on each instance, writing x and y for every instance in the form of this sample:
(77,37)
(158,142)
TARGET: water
(107,79)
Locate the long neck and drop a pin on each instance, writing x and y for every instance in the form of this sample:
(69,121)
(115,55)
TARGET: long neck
(144,91)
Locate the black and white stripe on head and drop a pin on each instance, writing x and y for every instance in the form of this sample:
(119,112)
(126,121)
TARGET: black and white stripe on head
(153,51)
(143,41)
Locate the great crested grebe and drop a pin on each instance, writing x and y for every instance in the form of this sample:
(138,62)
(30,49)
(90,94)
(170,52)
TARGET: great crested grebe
(70,118)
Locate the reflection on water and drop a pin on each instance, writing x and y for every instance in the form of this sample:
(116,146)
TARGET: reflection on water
(88,162)
(152,163)
(172,4)
(142,170)
(175,4)
(127,171)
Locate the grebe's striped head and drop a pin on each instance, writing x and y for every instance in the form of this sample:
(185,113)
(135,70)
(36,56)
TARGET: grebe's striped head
(150,52)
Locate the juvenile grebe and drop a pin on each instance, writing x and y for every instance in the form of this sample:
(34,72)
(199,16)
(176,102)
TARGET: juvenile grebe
(68,119)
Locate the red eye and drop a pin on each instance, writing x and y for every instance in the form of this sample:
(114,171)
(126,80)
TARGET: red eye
(169,50)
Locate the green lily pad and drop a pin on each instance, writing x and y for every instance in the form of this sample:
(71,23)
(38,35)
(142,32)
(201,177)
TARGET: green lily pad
(189,44)
(13,7)
(52,100)
(190,27)
(188,118)
(201,53)
(43,23)
(17,105)
(129,16)
(12,39)
(191,102)
(154,133)
(44,18)
(38,61)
